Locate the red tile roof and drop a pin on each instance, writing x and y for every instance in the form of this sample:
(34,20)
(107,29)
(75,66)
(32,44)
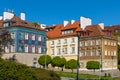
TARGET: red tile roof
(57,30)
(92,30)
(112,28)
(17,22)
(1,23)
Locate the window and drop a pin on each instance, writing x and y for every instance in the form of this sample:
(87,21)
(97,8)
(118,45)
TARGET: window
(114,53)
(65,40)
(92,53)
(108,42)
(81,53)
(92,43)
(12,48)
(52,43)
(52,51)
(58,51)
(81,43)
(73,50)
(39,49)
(26,48)
(12,35)
(105,42)
(98,42)
(26,35)
(86,43)
(114,43)
(73,39)
(98,53)
(59,42)
(33,36)
(105,52)
(33,49)
(39,37)
(65,50)
(6,49)
(116,30)
(6,24)
(86,53)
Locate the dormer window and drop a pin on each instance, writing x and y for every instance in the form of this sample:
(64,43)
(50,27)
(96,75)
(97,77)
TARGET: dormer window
(116,30)
(67,32)
(6,24)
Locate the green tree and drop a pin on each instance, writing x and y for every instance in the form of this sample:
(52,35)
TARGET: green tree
(93,65)
(44,60)
(56,61)
(119,54)
(5,39)
(62,63)
(71,64)
(36,24)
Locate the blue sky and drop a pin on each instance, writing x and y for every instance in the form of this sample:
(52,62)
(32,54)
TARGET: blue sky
(56,11)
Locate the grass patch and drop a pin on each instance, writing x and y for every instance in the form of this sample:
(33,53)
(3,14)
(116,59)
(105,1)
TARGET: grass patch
(87,76)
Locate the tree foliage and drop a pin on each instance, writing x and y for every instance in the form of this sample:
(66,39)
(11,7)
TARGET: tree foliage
(93,65)
(5,38)
(58,62)
(36,24)
(44,59)
(71,64)
(16,71)
(118,54)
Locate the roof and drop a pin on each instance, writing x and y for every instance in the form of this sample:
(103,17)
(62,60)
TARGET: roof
(1,23)
(17,22)
(91,30)
(57,30)
(95,30)
(112,28)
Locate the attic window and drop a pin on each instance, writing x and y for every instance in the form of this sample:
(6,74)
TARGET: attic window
(116,30)
(67,32)
(24,22)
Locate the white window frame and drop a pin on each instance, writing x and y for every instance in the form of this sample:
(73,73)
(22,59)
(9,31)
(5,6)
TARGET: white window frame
(26,48)
(39,38)
(26,36)
(33,49)
(39,49)
(33,36)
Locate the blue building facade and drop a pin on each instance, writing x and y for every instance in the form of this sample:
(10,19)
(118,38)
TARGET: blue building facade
(27,38)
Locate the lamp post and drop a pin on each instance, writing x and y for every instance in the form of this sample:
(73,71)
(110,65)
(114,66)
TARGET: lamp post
(78,57)
(45,57)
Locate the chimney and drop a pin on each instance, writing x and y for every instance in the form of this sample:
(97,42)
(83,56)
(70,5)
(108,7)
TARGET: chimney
(85,22)
(8,15)
(101,25)
(1,17)
(43,26)
(72,21)
(22,16)
(65,23)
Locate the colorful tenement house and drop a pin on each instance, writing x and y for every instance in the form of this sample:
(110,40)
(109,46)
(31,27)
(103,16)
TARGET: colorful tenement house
(27,38)
(96,43)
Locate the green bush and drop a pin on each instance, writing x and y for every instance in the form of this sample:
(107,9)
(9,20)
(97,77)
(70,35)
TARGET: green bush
(16,71)
(119,67)
(93,65)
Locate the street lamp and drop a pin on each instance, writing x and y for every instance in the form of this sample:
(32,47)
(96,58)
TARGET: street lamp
(45,57)
(78,57)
